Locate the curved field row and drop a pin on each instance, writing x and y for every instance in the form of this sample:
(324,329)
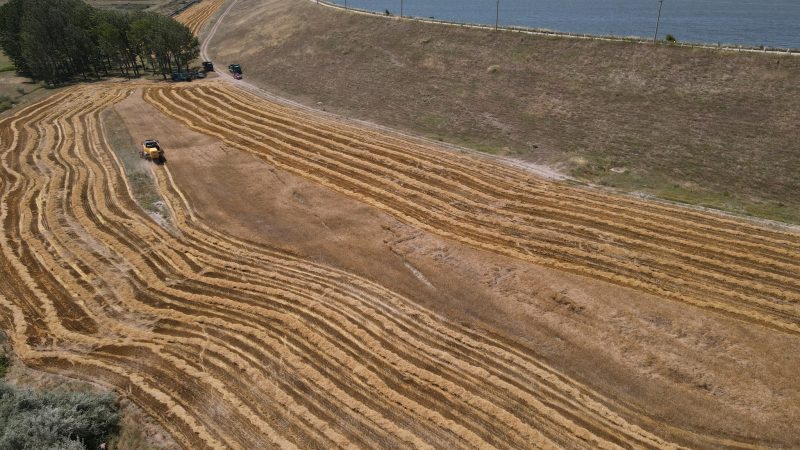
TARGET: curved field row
(233,345)
(196,16)
(716,262)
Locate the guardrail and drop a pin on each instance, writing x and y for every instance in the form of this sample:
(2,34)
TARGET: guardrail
(565,34)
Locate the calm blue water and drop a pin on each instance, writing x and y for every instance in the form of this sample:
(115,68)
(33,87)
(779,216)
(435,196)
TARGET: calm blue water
(773,23)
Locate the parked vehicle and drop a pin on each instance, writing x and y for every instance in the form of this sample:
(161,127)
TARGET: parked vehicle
(235,68)
(181,76)
(208,66)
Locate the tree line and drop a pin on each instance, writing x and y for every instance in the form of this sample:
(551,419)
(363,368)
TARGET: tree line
(58,40)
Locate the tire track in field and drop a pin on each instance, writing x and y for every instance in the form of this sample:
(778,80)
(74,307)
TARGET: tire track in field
(233,345)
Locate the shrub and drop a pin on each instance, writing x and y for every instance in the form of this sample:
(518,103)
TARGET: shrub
(5,103)
(54,420)
(670,38)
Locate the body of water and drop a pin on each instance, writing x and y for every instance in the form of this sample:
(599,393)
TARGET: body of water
(772,23)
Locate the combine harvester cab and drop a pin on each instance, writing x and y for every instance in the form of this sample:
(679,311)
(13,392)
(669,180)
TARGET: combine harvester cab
(151,150)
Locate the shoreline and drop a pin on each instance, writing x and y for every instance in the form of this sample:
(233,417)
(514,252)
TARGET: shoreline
(567,34)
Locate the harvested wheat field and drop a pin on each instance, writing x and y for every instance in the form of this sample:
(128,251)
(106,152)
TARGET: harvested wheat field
(713,262)
(196,16)
(292,279)
(229,342)
(233,345)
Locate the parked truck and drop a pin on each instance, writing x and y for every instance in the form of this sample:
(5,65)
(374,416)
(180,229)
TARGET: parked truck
(181,76)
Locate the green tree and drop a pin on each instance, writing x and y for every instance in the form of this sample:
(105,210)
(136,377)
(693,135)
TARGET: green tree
(10,28)
(168,44)
(56,40)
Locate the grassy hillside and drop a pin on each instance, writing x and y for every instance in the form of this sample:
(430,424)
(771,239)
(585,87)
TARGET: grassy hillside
(700,126)
(15,90)
(159,6)
(5,63)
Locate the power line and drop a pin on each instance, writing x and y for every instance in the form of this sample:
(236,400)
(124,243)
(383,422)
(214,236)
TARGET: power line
(658,21)
(497,16)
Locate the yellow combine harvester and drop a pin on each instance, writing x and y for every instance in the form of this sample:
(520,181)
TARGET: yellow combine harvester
(152,151)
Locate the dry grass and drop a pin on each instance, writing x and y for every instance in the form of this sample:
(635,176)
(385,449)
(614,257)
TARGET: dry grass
(5,63)
(16,90)
(699,126)
(159,6)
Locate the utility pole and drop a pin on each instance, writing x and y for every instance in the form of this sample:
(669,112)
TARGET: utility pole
(497,16)
(401,9)
(658,21)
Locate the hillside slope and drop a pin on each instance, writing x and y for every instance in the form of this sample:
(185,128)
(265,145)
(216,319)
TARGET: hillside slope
(701,126)
(292,280)
(228,342)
